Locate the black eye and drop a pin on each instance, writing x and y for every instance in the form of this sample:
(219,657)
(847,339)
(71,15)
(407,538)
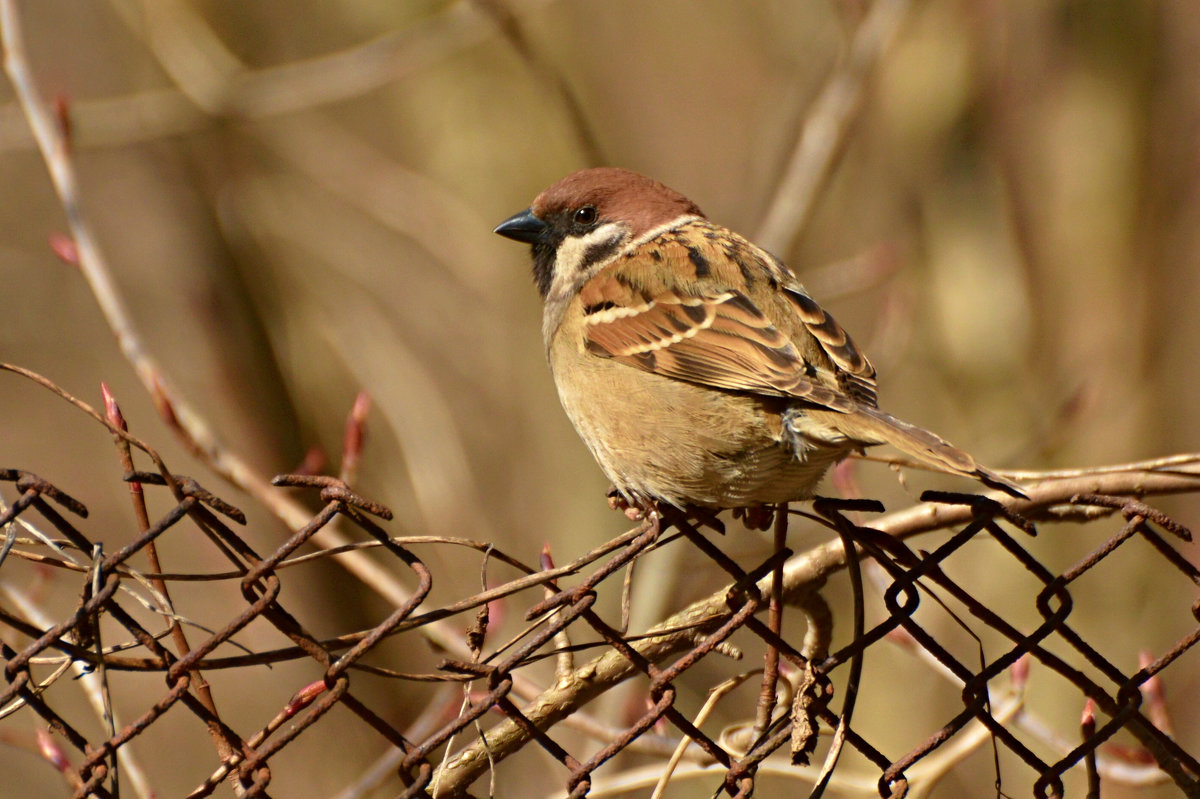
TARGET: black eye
(585,215)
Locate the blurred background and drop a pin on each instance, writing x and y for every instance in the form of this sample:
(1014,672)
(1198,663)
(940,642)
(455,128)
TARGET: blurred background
(296,199)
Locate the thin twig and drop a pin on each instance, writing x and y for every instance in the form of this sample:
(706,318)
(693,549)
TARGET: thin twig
(715,695)
(765,709)
(225,748)
(564,658)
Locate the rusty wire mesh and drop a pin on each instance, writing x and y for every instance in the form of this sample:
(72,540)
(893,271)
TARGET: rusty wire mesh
(155,644)
(125,621)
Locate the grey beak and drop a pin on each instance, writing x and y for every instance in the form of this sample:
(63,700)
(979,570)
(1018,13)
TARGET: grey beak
(522,227)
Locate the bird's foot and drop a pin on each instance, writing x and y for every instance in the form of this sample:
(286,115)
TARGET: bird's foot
(618,501)
(756,518)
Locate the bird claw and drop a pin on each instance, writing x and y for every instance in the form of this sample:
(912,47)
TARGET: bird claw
(618,501)
(756,518)
(635,510)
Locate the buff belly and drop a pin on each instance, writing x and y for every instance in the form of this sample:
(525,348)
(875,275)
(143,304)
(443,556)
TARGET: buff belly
(660,438)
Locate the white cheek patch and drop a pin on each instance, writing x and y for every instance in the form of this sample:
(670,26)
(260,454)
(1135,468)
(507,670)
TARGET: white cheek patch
(571,265)
(574,249)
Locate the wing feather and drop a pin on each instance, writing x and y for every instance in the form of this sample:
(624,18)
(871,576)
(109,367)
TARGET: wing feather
(717,338)
(855,373)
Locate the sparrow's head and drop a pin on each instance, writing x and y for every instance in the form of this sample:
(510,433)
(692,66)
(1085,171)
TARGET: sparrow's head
(588,217)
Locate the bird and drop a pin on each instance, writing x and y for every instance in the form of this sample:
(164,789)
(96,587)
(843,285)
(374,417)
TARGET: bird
(693,363)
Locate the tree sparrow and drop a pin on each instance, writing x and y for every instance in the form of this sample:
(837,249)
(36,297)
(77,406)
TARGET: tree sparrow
(693,364)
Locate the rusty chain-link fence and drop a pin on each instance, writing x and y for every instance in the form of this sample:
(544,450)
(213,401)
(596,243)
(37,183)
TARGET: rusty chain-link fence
(103,603)
(313,647)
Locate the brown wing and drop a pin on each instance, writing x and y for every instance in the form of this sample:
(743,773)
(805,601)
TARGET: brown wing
(855,374)
(717,338)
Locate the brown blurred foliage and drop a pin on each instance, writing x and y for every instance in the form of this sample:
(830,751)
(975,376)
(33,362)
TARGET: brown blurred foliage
(297,197)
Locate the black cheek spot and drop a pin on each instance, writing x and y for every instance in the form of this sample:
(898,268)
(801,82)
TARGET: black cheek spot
(543,267)
(597,253)
(656,255)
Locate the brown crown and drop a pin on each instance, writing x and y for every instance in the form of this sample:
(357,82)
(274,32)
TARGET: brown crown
(618,195)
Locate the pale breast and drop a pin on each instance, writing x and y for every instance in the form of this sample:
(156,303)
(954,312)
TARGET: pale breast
(662,438)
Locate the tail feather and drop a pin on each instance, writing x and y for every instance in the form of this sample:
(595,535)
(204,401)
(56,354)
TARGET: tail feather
(872,425)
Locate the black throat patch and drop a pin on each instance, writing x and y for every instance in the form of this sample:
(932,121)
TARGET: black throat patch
(544,252)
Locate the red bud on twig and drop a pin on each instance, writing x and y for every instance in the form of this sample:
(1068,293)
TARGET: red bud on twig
(314,462)
(356,432)
(1019,673)
(1156,701)
(304,697)
(65,248)
(112,411)
(62,115)
(53,753)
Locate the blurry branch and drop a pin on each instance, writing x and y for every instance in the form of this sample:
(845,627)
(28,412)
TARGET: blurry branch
(395,197)
(56,152)
(241,93)
(367,342)
(510,26)
(1164,465)
(191,428)
(802,574)
(210,76)
(400,199)
(827,128)
(194,56)
(1187,464)
(860,272)
(1048,500)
